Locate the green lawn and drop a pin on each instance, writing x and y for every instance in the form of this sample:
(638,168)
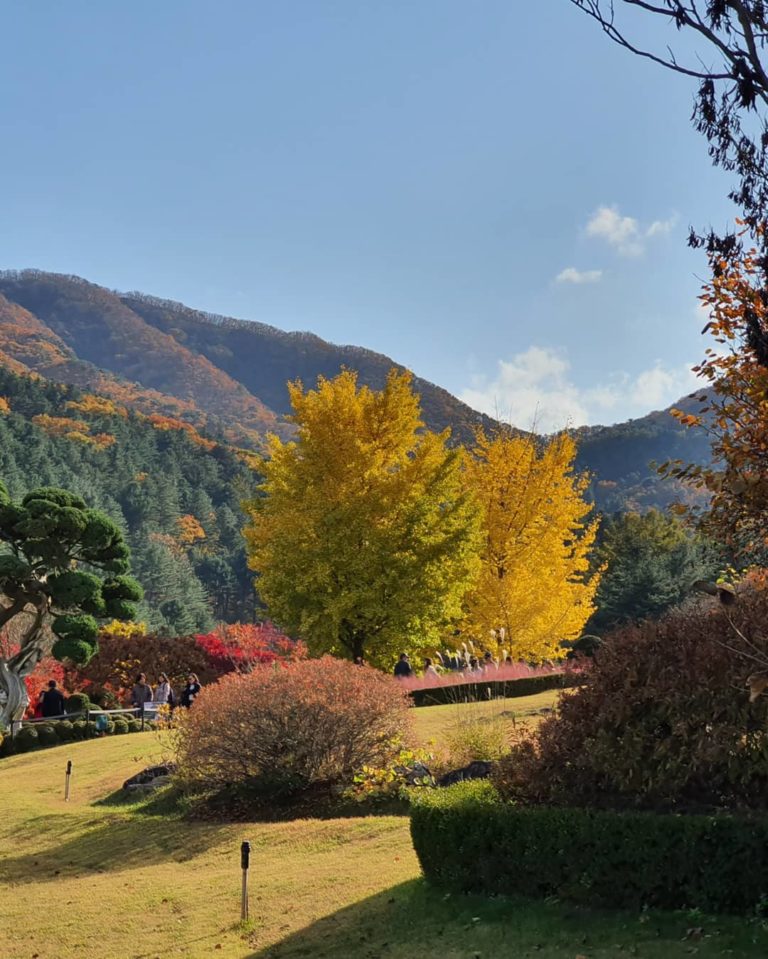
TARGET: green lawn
(431,721)
(81,880)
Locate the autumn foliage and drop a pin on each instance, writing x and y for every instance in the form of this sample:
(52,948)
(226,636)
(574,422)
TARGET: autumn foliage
(535,581)
(241,646)
(312,723)
(664,721)
(733,410)
(365,541)
(124,652)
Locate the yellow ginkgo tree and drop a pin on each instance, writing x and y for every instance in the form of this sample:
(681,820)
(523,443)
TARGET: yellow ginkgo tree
(535,582)
(365,538)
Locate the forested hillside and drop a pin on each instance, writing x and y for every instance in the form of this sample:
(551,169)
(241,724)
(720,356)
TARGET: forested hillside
(619,458)
(174,493)
(227,378)
(226,375)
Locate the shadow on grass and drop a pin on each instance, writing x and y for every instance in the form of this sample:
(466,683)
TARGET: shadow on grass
(109,845)
(161,802)
(244,803)
(415,919)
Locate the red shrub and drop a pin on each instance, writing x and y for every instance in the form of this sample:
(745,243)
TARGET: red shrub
(664,721)
(312,722)
(241,646)
(48,668)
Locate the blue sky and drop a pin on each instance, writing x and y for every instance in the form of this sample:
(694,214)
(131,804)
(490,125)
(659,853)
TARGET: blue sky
(499,202)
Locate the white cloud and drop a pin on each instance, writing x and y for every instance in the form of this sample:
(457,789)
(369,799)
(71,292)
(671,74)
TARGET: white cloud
(571,275)
(621,232)
(535,388)
(662,227)
(624,233)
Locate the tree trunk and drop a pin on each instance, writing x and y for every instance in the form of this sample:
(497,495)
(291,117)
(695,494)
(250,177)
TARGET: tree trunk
(13,695)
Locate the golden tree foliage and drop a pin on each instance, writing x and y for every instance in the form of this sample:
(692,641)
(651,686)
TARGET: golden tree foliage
(366,538)
(189,529)
(535,581)
(5,406)
(123,630)
(92,405)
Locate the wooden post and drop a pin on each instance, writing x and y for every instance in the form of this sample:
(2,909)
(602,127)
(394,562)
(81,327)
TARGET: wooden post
(67,779)
(245,856)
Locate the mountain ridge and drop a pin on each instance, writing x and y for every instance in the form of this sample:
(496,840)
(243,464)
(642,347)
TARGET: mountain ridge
(228,376)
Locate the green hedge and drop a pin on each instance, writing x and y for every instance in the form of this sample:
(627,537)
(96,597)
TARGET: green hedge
(467,839)
(60,731)
(494,689)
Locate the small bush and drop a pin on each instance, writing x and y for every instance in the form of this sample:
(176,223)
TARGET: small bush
(472,738)
(65,730)
(311,723)
(47,735)
(77,702)
(80,729)
(467,839)
(25,739)
(120,727)
(134,725)
(103,697)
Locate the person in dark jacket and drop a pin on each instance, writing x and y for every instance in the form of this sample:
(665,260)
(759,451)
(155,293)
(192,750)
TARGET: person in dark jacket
(403,667)
(53,701)
(141,692)
(190,690)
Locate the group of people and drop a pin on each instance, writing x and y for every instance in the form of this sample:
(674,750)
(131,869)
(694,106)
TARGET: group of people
(51,702)
(451,662)
(163,694)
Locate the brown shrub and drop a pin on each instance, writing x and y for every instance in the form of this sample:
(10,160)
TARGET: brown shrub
(120,658)
(283,729)
(664,720)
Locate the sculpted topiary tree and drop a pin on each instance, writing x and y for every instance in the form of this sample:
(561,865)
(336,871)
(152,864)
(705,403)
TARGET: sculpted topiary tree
(62,567)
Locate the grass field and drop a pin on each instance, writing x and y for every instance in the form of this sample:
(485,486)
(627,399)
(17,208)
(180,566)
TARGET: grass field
(84,880)
(431,721)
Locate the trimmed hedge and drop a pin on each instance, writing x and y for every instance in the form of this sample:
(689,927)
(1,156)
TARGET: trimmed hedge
(467,839)
(494,689)
(60,731)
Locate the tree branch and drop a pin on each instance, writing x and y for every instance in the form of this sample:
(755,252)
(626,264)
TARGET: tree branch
(8,612)
(593,10)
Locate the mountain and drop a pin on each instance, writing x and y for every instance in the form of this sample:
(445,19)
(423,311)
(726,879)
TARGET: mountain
(227,378)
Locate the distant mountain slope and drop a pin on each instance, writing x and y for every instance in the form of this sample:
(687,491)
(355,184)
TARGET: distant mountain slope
(233,373)
(264,359)
(67,315)
(228,377)
(619,458)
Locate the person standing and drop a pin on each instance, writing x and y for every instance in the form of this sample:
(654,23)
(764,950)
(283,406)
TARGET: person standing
(164,692)
(141,692)
(190,691)
(403,667)
(429,668)
(38,711)
(53,701)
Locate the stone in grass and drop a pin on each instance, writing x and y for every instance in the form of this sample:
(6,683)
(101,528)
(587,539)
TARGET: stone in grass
(416,775)
(153,777)
(479,769)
